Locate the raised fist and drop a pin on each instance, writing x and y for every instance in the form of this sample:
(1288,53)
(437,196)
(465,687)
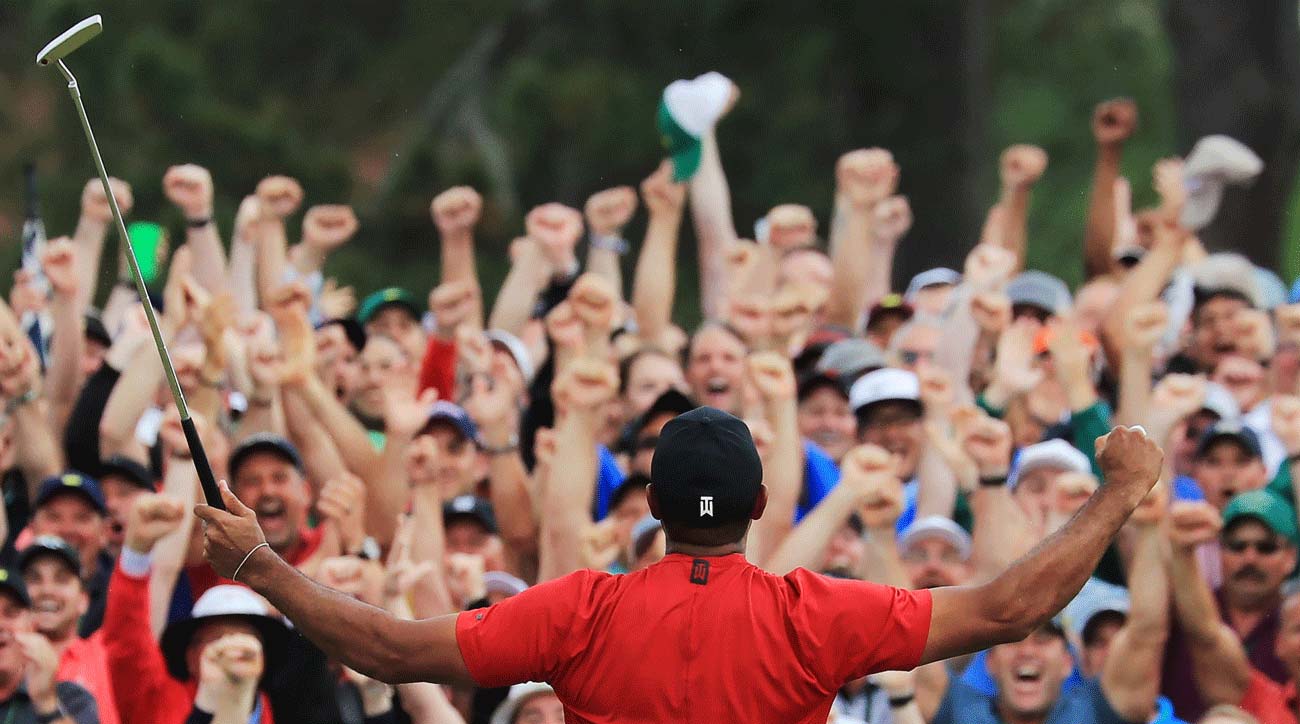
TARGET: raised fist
(564,327)
(280,196)
(232,661)
(791,226)
(773,376)
(452,304)
(873,472)
(989,266)
(456,210)
(59,260)
(991,311)
(609,211)
(343,500)
(1285,411)
(152,516)
(1128,457)
(866,177)
(751,315)
(328,226)
(937,393)
(1178,394)
(1152,509)
(891,219)
(585,384)
(189,187)
(988,442)
(1193,523)
(1114,121)
(662,197)
(94,202)
(595,301)
(557,228)
(1144,326)
(1022,165)
(1167,177)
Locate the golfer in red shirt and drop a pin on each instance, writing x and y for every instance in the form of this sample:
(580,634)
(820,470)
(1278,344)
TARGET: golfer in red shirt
(702,636)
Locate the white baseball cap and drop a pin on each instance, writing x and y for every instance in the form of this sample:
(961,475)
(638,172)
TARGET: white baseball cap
(936,526)
(519,694)
(1049,454)
(883,385)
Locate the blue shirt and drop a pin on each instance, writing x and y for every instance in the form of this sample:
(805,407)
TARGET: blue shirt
(820,476)
(608,478)
(1082,704)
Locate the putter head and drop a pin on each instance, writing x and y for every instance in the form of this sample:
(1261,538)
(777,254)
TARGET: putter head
(71,39)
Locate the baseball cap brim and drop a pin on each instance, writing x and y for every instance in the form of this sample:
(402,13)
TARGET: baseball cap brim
(684,150)
(274,445)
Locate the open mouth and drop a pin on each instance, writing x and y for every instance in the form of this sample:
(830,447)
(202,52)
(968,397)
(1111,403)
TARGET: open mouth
(270,511)
(47,605)
(717,387)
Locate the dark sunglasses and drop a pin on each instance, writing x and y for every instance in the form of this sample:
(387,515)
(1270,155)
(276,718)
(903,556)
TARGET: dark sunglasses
(1262,547)
(647,443)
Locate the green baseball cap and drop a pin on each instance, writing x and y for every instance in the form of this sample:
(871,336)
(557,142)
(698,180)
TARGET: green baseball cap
(682,147)
(1265,507)
(688,109)
(391,296)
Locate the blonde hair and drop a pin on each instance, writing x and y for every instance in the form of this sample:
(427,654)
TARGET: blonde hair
(1230,712)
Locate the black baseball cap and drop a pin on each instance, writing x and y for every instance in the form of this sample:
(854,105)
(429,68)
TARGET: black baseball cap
(95,329)
(128,470)
(263,442)
(818,380)
(352,330)
(53,546)
(1230,430)
(75,483)
(11,582)
(706,471)
(470,507)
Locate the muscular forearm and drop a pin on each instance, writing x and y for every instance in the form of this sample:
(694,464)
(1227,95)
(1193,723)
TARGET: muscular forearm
(359,635)
(511,498)
(1134,388)
(1099,232)
(348,435)
(1219,663)
(1130,679)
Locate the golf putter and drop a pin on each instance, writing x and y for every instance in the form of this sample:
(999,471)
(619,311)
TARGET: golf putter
(54,52)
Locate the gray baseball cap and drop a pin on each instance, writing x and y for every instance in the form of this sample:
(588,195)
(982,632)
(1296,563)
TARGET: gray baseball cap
(1039,289)
(850,358)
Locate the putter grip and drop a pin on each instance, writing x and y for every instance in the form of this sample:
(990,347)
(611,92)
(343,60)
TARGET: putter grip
(210,492)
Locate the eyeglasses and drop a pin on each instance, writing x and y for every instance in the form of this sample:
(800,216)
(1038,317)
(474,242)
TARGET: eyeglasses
(1262,547)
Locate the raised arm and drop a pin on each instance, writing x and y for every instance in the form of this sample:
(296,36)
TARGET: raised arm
(543,256)
(1219,664)
(772,376)
(1142,330)
(714,228)
(356,634)
(863,179)
(92,230)
(179,485)
(806,544)
(1113,122)
(1021,167)
(455,212)
(189,187)
(1002,532)
(60,262)
(278,197)
(580,393)
(607,213)
(1130,679)
(655,280)
(970,618)
(325,228)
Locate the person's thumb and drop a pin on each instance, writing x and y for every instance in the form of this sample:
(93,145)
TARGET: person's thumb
(233,504)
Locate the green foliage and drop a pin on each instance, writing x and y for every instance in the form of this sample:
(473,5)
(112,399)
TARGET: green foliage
(365,103)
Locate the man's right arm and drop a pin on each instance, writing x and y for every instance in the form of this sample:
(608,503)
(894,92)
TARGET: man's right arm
(971,618)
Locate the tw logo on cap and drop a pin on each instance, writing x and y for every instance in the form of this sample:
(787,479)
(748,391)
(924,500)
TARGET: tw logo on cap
(706,506)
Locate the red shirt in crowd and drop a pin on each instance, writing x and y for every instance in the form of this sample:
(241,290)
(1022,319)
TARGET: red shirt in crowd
(85,662)
(713,640)
(146,693)
(1269,701)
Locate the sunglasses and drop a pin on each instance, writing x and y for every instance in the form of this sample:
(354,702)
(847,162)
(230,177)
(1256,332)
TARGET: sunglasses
(1262,547)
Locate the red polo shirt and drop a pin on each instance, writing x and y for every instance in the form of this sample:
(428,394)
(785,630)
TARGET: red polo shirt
(714,640)
(1269,701)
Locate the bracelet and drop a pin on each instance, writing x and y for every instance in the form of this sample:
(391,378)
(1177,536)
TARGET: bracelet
(250,555)
(993,481)
(898,702)
(616,244)
(198,223)
(511,445)
(14,403)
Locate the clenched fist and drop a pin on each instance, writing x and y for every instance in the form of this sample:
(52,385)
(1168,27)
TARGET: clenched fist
(585,384)
(59,261)
(595,301)
(1114,121)
(1144,326)
(773,376)
(866,177)
(328,226)
(152,516)
(891,219)
(873,473)
(189,187)
(557,228)
(94,202)
(609,211)
(662,197)
(1022,166)
(1193,523)
(456,211)
(279,196)
(1129,458)
(791,226)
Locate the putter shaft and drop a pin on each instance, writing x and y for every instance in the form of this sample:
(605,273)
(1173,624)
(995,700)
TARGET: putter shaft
(208,482)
